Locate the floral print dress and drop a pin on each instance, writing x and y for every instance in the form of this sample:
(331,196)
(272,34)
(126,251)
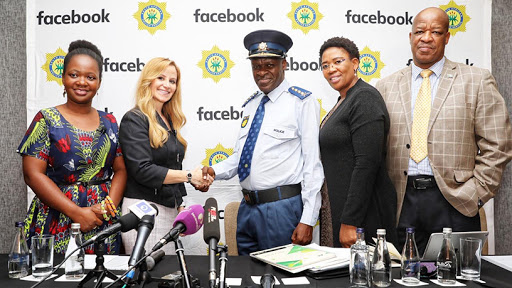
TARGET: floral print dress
(80,163)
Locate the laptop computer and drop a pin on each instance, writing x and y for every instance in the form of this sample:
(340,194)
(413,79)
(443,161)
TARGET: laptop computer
(436,240)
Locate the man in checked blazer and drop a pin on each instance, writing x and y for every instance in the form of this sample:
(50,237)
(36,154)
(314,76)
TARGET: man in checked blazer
(469,139)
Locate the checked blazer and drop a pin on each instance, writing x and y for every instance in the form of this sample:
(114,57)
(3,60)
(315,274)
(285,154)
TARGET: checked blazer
(469,140)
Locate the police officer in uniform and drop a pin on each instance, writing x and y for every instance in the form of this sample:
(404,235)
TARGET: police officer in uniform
(276,156)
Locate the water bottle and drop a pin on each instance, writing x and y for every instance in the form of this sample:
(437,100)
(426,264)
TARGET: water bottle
(18,263)
(381,262)
(360,236)
(410,259)
(359,262)
(75,264)
(446,260)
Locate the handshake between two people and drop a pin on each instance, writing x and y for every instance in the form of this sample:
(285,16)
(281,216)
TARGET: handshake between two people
(202,178)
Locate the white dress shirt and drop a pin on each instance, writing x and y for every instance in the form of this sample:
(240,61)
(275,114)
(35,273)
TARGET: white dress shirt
(287,150)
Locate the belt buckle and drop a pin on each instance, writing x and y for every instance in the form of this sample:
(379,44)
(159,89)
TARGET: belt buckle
(250,198)
(247,199)
(419,187)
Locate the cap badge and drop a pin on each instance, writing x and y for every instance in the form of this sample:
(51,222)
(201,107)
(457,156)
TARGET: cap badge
(263,46)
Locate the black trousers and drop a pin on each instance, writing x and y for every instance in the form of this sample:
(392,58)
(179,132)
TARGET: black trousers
(428,212)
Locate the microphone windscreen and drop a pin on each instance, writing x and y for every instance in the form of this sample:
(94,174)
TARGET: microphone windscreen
(157,255)
(128,222)
(154,207)
(211,223)
(154,258)
(191,217)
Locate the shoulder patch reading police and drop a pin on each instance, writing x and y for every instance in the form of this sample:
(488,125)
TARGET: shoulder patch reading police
(299,92)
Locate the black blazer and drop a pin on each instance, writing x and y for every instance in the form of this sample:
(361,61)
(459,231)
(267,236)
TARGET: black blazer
(146,166)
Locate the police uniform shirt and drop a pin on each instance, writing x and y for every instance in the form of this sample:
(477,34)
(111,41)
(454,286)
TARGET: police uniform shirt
(287,150)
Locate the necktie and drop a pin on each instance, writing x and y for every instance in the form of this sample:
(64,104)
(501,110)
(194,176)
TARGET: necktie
(420,119)
(244,165)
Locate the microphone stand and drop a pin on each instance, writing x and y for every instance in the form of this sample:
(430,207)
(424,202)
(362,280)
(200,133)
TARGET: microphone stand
(212,275)
(181,258)
(99,272)
(223,259)
(144,276)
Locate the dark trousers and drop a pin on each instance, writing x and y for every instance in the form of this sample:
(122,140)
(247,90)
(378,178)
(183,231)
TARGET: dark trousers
(428,212)
(267,225)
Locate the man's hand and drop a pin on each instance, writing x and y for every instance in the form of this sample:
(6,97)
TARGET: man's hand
(348,235)
(303,234)
(208,176)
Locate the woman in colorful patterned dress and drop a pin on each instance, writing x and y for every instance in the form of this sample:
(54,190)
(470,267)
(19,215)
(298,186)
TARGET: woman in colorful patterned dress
(72,159)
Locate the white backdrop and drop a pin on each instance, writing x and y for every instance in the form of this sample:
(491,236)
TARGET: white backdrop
(192,32)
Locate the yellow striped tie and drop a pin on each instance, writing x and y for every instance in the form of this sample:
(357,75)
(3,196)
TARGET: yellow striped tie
(420,119)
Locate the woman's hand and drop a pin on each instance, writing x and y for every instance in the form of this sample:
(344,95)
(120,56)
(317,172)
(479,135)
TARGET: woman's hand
(87,218)
(96,208)
(198,180)
(208,177)
(107,210)
(348,235)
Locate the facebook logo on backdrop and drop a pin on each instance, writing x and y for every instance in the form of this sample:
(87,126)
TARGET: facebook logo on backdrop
(229,16)
(73,18)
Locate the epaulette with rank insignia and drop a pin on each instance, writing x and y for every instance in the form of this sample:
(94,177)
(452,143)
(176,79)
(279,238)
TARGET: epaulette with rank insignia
(299,92)
(250,98)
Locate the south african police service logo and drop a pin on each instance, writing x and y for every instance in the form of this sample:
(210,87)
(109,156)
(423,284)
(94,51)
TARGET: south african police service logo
(57,66)
(369,64)
(216,64)
(216,155)
(54,66)
(152,16)
(305,16)
(244,121)
(457,17)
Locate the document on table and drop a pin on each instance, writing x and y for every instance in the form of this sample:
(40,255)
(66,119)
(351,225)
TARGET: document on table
(293,258)
(342,259)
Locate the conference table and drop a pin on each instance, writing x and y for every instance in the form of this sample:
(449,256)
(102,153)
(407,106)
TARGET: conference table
(244,267)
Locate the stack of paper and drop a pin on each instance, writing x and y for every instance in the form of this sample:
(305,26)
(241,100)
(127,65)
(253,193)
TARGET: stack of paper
(342,259)
(294,258)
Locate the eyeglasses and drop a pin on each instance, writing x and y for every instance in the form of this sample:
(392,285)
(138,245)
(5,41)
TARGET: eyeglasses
(336,64)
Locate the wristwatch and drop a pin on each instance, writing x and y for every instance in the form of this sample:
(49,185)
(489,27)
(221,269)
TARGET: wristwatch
(189,177)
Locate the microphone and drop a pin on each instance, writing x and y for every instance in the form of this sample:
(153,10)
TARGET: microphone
(211,235)
(154,258)
(145,227)
(125,223)
(268,279)
(188,221)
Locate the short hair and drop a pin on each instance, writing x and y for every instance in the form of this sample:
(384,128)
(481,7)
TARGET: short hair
(83,47)
(341,42)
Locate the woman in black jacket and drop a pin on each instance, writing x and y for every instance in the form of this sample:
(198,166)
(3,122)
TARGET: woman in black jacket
(353,150)
(154,149)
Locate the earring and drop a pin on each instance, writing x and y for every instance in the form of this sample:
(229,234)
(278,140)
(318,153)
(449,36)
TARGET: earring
(355,72)
(64,94)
